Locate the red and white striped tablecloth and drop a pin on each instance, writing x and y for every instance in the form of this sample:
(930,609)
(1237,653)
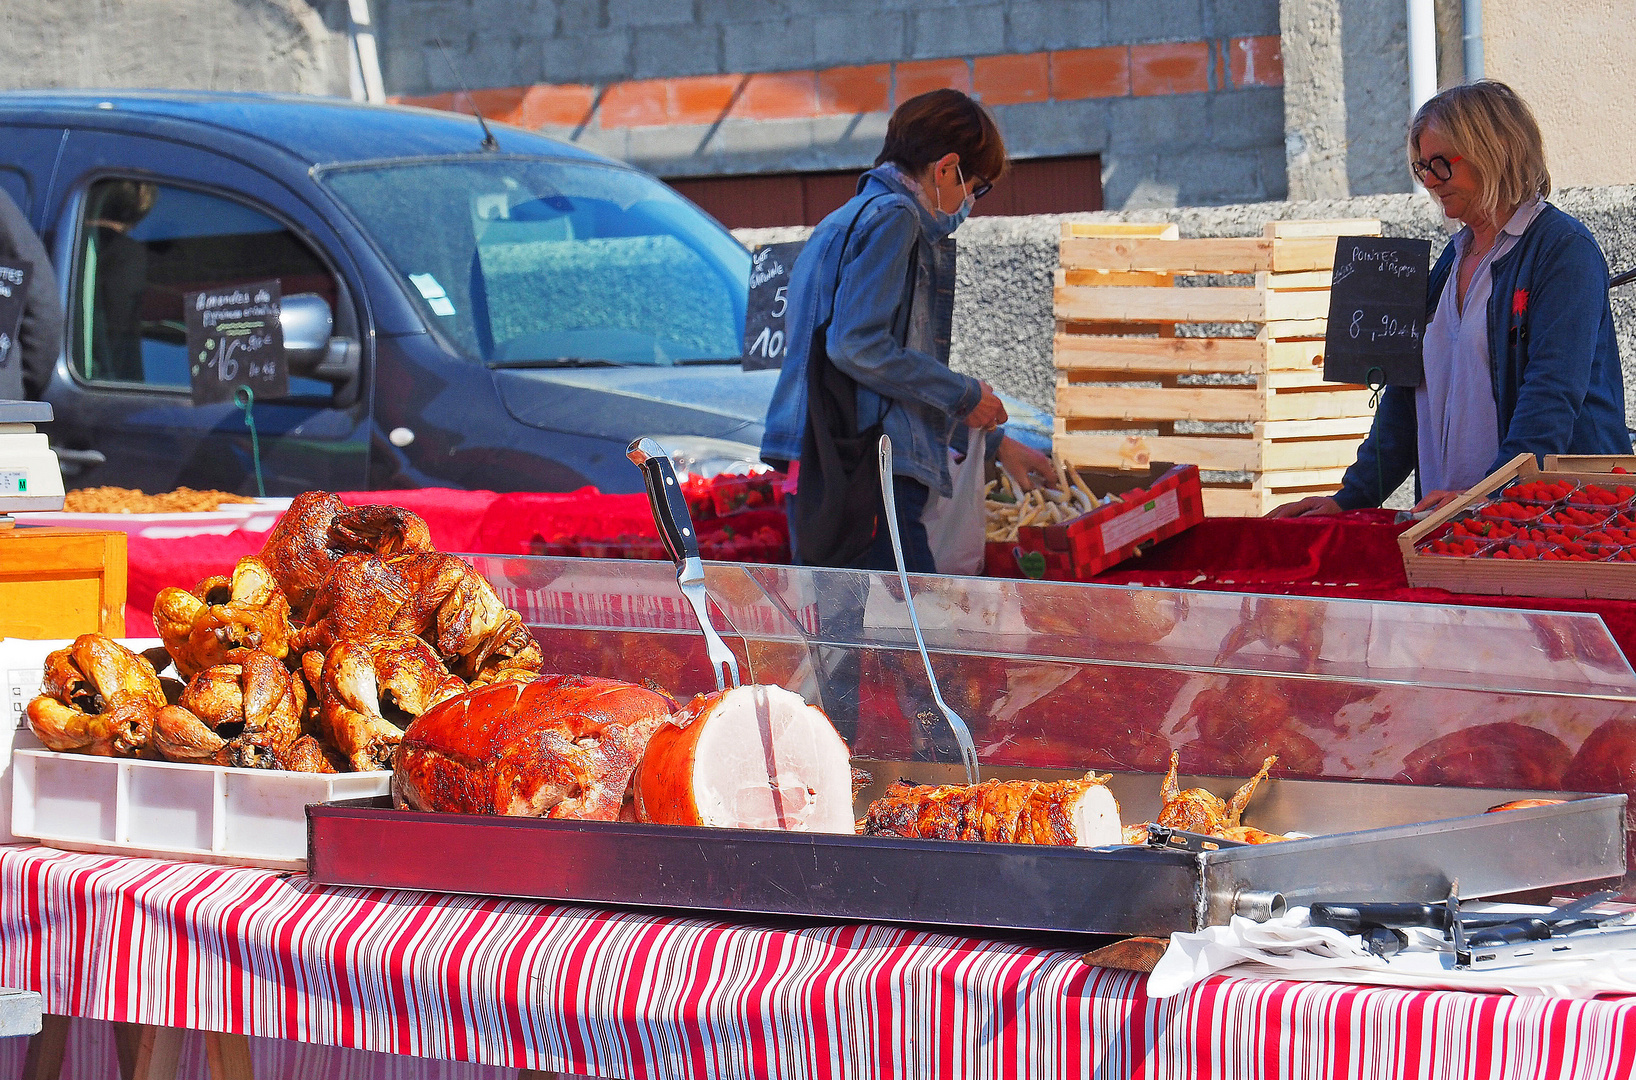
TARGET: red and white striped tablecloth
(638,995)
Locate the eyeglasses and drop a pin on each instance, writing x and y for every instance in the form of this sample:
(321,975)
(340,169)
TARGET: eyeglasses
(981,189)
(1440,167)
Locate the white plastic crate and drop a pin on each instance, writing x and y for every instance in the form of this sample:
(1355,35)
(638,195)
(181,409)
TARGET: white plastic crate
(200,813)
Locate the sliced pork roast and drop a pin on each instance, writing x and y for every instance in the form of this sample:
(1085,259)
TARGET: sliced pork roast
(1063,812)
(753,757)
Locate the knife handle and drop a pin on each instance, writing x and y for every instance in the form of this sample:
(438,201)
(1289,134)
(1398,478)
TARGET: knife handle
(1353,918)
(665,497)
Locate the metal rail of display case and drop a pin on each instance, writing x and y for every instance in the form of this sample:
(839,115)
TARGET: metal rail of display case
(1371,841)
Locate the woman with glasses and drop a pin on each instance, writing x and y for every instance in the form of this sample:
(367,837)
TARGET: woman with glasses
(871,305)
(1519,348)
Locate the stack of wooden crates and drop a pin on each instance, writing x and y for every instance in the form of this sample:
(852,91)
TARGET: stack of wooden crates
(1121,295)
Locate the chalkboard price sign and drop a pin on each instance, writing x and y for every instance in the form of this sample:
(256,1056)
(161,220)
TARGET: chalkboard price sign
(765,343)
(1377,311)
(234,339)
(14,280)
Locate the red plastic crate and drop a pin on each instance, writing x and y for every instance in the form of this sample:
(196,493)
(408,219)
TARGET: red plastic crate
(1155,504)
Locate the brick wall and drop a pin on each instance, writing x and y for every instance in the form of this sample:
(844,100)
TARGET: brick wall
(1181,98)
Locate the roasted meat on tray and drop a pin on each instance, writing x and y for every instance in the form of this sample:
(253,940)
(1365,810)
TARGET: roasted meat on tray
(371,689)
(561,746)
(1066,813)
(98,697)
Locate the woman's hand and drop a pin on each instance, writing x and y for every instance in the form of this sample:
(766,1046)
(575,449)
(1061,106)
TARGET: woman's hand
(989,413)
(1311,506)
(1020,459)
(1435,501)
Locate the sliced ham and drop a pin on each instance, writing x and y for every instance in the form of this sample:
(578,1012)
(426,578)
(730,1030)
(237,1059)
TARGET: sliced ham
(1062,812)
(753,757)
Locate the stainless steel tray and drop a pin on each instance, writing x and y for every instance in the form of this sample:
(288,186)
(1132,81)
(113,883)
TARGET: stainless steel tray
(1375,842)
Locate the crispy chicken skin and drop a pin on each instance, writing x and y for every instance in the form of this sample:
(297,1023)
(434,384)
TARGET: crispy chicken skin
(97,697)
(204,628)
(996,811)
(318,529)
(370,691)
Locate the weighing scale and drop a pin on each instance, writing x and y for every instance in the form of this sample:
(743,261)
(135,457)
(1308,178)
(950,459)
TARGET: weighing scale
(30,478)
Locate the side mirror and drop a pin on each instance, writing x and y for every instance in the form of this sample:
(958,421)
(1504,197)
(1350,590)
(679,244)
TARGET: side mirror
(308,324)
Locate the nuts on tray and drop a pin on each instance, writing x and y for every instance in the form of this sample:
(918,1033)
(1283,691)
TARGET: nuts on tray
(118,500)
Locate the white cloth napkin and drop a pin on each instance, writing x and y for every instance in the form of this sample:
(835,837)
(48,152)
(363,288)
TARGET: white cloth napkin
(1291,948)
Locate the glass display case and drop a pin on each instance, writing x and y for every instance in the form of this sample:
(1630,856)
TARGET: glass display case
(1395,727)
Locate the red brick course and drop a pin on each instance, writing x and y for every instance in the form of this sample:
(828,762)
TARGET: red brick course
(1010,79)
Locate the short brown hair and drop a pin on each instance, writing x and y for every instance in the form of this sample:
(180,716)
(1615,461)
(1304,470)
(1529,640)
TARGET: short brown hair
(926,127)
(1492,128)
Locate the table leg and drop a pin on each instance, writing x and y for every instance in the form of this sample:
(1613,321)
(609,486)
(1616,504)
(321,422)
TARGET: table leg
(229,1056)
(45,1050)
(159,1053)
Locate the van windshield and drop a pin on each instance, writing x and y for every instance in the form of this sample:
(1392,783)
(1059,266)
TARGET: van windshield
(528,261)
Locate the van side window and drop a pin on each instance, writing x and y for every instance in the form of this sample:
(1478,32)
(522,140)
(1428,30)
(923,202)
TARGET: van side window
(143,246)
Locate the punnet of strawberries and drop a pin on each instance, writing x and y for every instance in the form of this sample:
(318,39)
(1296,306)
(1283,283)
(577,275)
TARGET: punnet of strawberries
(1541,491)
(1597,495)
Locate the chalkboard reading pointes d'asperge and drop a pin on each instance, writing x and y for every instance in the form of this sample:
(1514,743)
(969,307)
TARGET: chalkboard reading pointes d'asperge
(765,341)
(1377,311)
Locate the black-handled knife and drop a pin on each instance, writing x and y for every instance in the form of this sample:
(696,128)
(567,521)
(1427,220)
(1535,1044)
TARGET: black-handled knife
(665,496)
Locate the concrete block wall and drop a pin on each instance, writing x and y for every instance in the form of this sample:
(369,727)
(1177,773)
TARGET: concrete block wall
(1182,99)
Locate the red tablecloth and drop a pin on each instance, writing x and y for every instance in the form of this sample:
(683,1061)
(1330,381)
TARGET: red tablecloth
(638,995)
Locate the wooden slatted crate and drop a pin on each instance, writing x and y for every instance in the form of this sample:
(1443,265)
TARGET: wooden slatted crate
(1120,296)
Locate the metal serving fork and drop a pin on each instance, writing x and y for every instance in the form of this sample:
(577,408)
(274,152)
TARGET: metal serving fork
(682,544)
(962,733)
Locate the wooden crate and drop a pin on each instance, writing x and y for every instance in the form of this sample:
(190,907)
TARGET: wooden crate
(1504,577)
(1117,308)
(60,583)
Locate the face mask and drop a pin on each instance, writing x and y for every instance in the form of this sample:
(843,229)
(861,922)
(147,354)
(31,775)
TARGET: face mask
(952,221)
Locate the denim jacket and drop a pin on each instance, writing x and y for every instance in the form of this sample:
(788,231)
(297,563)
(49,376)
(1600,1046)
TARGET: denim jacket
(1553,358)
(901,363)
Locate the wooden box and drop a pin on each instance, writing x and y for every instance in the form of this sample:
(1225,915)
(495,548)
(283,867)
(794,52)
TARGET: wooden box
(60,583)
(1121,293)
(1505,577)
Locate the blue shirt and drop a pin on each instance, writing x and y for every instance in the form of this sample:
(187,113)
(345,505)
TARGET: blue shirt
(903,373)
(1459,425)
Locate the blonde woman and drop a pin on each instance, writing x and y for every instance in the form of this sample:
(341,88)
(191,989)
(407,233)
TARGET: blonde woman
(1519,348)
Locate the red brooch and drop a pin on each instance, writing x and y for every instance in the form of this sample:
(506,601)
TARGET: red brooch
(1519,302)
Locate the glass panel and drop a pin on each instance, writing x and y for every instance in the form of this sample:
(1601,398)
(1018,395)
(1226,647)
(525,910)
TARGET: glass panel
(1081,676)
(145,246)
(525,260)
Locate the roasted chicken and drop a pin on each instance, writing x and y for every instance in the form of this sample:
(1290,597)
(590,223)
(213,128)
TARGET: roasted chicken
(254,705)
(97,697)
(223,618)
(429,594)
(1062,812)
(319,529)
(1198,811)
(372,688)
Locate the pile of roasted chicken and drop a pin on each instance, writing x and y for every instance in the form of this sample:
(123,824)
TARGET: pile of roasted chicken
(313,656)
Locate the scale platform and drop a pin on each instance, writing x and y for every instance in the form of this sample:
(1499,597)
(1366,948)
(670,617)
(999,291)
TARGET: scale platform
(30,478)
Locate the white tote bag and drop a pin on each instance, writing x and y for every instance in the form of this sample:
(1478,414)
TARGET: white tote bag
(954,526)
